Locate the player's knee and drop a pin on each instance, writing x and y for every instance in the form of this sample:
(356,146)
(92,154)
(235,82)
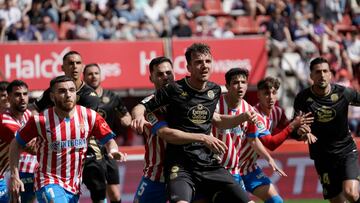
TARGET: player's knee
(274,199)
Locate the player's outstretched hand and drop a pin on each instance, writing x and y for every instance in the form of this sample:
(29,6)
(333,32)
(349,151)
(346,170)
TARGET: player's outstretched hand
(215,145)
(137,124)
(303,119)
(251,116)
(276,168)
(31,147)
(309,138)
(117,155)
(15,186)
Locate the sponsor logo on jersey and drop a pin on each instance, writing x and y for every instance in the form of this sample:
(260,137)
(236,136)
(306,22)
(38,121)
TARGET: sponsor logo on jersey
(105,100)
(151,118)
(211,94)
(146,99)
(325,114)
(334,97)
(77,143)
(199,114)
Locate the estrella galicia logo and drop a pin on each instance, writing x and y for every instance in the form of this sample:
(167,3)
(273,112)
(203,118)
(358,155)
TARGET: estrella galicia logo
(325,114)
(198,114)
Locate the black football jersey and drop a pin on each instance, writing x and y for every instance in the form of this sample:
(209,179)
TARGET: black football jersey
(189,110)
(331,120)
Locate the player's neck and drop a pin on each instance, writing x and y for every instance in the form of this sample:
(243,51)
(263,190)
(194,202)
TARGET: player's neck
(232,103)
(16,114)
(265,110)
(64,114)
(99,91)
(78,84)
(196,84)
(321,91)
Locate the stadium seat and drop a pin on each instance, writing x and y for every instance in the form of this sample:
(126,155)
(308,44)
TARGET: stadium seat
(345,24)
(246,25)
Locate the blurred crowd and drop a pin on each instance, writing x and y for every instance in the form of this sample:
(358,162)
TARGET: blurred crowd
(297,30)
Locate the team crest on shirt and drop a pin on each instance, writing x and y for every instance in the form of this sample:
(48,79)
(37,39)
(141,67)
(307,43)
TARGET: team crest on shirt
(151,118)
(334,97)
(211,94)
(260,126)
(309,99)
(198,114)
(93,94)
(105,100)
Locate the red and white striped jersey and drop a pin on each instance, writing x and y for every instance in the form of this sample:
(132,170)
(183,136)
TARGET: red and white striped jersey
(233,138)
(8,126)
(248,155)
(62,144)
(277,119)
(154,147)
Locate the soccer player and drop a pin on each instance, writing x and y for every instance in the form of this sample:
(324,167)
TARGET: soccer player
(4,103)
(112,109)
(11,120)
(334,153)
(243,141)
(151,188)
(62,134)
(191,103)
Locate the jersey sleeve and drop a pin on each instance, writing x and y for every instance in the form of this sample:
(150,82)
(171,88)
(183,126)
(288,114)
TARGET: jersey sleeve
(7,133)
(44,101)
(160,98)
(101,130)
(156,122)
(27,132)
(353,96)
(120,107)
(257,129)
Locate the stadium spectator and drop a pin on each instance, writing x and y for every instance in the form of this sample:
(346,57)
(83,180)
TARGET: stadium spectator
(46,29)
(152,11)
(2,30)
(10,12)
(4,102)
(84,29)
(225,31)
(27,32)
(132,14)
(144,30)
(122,31)
(182,29)
(36,12)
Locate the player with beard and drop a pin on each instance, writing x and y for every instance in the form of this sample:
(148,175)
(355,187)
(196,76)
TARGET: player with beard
(62,134)
(4,103)
(190,102)
(334,153)
(112,109)
(11,120)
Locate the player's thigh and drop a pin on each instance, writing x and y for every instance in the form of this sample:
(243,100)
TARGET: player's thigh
(4,193)
(255,179)
(94,175)
(28,181)
(351,175)
(112,172)
(180,184)
(330,178)
(150,191)
(51,193)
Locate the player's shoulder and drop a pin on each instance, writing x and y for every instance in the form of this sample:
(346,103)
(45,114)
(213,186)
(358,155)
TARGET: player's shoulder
(86,90)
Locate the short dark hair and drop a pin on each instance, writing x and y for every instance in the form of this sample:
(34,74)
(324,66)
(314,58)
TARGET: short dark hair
(58,79)
(235,71)
(157,61)
(89,65)
(3,85)
(268,83)
(16,83)
(316,61)
(70,53)
(196,48)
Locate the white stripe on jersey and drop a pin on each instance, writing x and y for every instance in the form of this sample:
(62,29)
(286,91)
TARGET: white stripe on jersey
(272,121)
(27,162)
(233,138)
(61,164)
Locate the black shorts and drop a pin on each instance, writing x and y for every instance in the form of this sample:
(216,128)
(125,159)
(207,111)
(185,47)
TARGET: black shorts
(112,171)
(332,173)
(182,183)
(94,177)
